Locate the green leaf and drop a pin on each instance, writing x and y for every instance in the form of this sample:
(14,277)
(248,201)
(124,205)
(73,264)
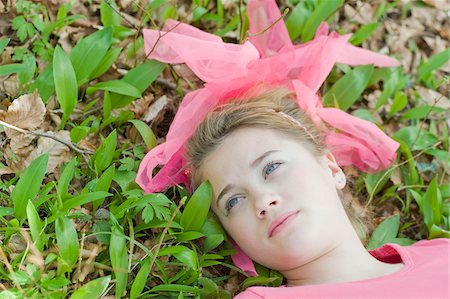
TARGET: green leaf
(105,153)
(258,281)
(108,16)
(320,13)
(28,185)
(185,255)
(45,83)
(93,289)
(116,86)
(146,133)
(385,232)
(35,224)
(297,19)
(3,43)
(89,52)
(196,210)
(422,112)
(119,260)
(141,279)
(433,63)
(349,88)
(106,62)
(432,205)
(140,77)
(363,33)
(12,68)
(104,183)
(400,101)
(27,73)
(65,81)
(67,240)
(78,133)
(66,177)
(415,138)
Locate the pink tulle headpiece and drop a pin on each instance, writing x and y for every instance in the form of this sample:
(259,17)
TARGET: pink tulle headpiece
(229,70)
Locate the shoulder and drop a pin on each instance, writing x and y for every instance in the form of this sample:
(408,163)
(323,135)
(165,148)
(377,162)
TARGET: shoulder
(440,242)
(248,294)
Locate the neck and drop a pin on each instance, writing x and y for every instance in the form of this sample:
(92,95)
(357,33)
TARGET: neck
(348,261)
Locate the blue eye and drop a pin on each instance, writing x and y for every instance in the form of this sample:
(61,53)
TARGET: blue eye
(270,167)
(232,202)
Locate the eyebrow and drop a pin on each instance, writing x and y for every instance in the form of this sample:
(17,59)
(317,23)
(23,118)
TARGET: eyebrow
(252,165)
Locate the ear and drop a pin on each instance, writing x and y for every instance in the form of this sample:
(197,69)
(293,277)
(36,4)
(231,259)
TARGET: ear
(336,171)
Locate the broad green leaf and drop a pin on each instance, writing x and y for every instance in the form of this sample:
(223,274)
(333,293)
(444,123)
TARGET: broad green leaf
(66,177)
(415,138)
(105,153)
(258,281)
(67,240)
(27,74)
(297,19)
(28,185)
(78,201)
(438,232)
(422,112)
(400,101)
(320,13)
(141,279)
(196,210)
(140,77)
(35,224)
(116,86)
(119,260)
(65,81)
(372,180)
(45,83)
(433,63)
(108,16)
(78,133)
(432,205)
(93,289)
(89,52)
(349,88)
(146,133)
(3,43)
(189,236)
(363,33)
(12,68)
(385,232)
(106,62)
(104,183)
(175,288)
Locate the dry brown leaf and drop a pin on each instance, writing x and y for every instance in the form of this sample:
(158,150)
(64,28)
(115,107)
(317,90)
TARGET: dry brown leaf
(432,97)
(58,152)
(155,109)
(363,14)
(26,112)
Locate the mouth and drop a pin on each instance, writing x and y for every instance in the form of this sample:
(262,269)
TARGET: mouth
(281,222)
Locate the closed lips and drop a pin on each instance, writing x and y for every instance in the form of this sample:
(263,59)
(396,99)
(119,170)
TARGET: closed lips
(275,226)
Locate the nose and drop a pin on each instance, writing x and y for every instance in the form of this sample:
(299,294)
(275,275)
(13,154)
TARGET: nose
(266,203)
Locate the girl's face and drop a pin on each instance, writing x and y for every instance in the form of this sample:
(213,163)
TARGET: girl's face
(274,198)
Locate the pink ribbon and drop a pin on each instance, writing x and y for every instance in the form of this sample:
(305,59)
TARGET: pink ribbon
(229,70)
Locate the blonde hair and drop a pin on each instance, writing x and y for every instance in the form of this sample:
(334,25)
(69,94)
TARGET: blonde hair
(273,109)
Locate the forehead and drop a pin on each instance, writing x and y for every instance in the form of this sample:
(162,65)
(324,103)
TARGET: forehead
(232,158)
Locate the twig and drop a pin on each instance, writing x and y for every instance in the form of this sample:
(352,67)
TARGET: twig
(120,14)
(41,134)
(372,194)
(10,269)
(285,12)
(163,234)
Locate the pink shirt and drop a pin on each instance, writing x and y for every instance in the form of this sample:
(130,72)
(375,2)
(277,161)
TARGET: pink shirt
(425,275)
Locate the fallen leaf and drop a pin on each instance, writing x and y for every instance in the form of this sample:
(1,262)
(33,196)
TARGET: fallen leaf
(58,152)
(26,112)
(155,109)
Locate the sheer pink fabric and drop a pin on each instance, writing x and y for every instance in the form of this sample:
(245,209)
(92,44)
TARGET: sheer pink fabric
(229,70)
